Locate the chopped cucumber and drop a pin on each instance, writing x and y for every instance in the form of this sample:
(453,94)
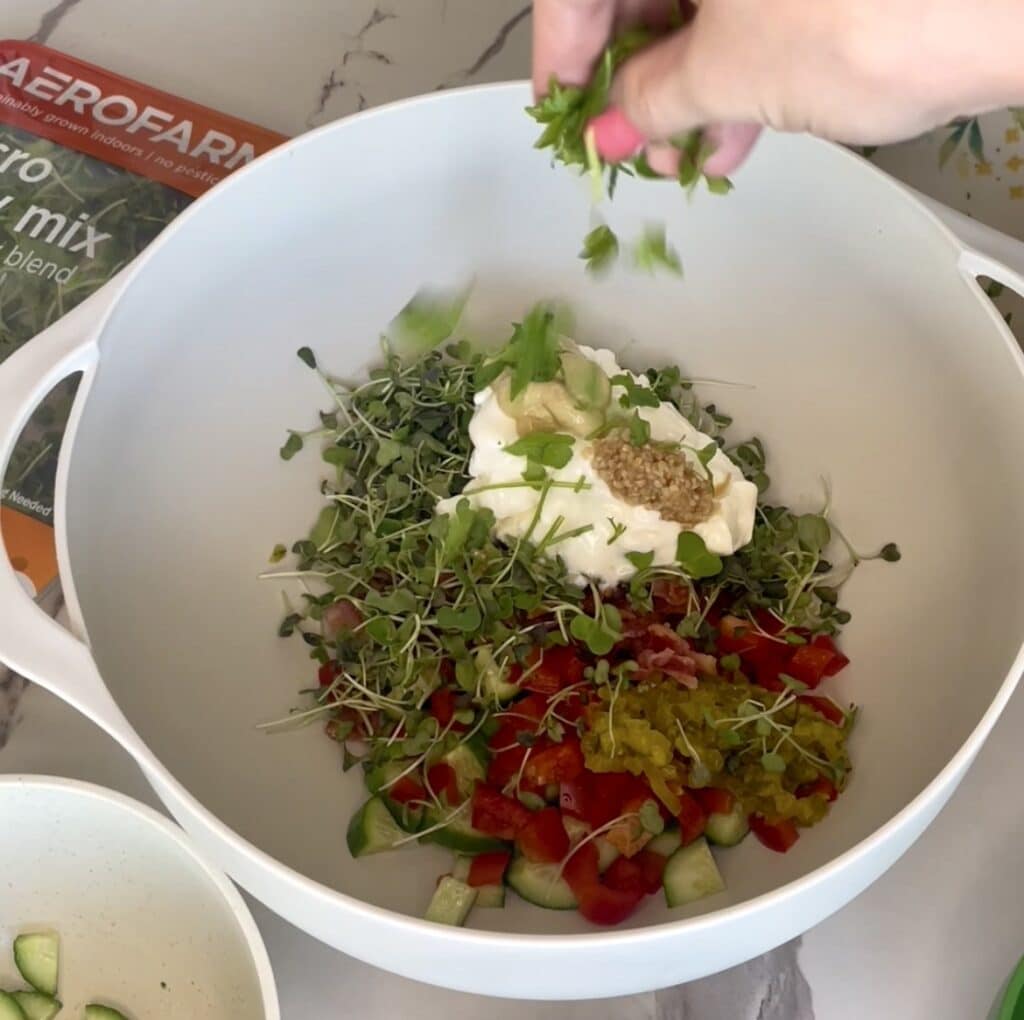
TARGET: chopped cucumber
(459,835)
(37,958)
(492,677)
(729,828)
(94,1011)
(37,1006)
(606,853)
(373,829)
(665,844)
(575,828)
(490,896)
(9,1008)
(467,766)
(691,874)
(540,884)
(451,903)
(460,870)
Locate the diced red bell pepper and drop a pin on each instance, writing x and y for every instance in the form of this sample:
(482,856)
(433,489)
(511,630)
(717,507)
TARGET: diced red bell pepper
(839,661)
(327,674)
(736,636)
(406,789)
(555,763)
(808,664)
(777,835)
(494,814)
(652,867)
(714,800)
(442,705)
(581,869)
(692,818)
(599,903)
(488,869)
(605,906)
(642,873)
(831,711)
(442,779)
(504,766)
(626,875)
(768,622)
(558,667)
(543,837)
(767,661)
(821,787)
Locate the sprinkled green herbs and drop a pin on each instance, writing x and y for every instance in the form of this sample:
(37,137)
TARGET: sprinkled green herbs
(550,449)
(600,249)
(565,113)
(652,252)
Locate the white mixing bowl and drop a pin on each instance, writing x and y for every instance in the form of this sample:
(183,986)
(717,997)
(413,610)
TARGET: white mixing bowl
(144,923)
(875,359)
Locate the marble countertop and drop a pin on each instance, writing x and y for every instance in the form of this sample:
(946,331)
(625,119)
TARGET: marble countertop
(934,938)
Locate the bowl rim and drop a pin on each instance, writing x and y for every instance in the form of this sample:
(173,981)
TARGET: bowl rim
(173,833)
(182,802)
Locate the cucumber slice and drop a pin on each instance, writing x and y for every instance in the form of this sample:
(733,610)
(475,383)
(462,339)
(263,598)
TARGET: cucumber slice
(575,828)
(492,677)
(94,1011)
(459,835)
(451,903)
(37,957)
(373,829)
(9,1008)
(540,884)
(468,768)
(691,874)
(490,896)
(460,869)
(606,853)
(37,1006)
(666,844)
(729,828)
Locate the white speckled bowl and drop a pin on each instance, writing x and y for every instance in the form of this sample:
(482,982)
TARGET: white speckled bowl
(145,924)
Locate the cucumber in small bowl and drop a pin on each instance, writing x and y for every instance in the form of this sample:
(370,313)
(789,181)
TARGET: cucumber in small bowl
(9,1008)
(37,1006)
(37,957)
(96,1011)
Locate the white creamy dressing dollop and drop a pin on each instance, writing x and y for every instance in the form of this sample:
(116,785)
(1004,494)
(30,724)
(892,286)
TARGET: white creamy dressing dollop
(593,555)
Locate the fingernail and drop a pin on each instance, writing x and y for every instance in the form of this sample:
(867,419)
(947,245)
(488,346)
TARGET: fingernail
(615,137)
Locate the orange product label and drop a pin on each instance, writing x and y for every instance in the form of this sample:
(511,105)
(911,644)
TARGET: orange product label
(30,546)
(123,122)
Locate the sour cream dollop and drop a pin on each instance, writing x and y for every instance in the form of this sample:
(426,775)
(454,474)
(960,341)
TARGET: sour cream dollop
(616,527)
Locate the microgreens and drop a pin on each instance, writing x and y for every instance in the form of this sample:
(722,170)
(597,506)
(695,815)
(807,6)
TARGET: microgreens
(434,599)
(652,251)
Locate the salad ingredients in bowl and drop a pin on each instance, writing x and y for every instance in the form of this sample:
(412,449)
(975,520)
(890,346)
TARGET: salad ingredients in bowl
(558,628)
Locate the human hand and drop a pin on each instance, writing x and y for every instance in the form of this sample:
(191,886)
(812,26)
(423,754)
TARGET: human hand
(870,72)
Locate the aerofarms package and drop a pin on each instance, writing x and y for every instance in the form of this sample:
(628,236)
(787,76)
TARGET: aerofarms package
(92,167)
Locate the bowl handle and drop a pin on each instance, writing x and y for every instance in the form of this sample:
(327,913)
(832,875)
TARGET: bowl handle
(987,251)
(31,642)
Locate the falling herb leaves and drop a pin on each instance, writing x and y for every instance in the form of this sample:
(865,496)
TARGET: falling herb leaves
(565,113)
